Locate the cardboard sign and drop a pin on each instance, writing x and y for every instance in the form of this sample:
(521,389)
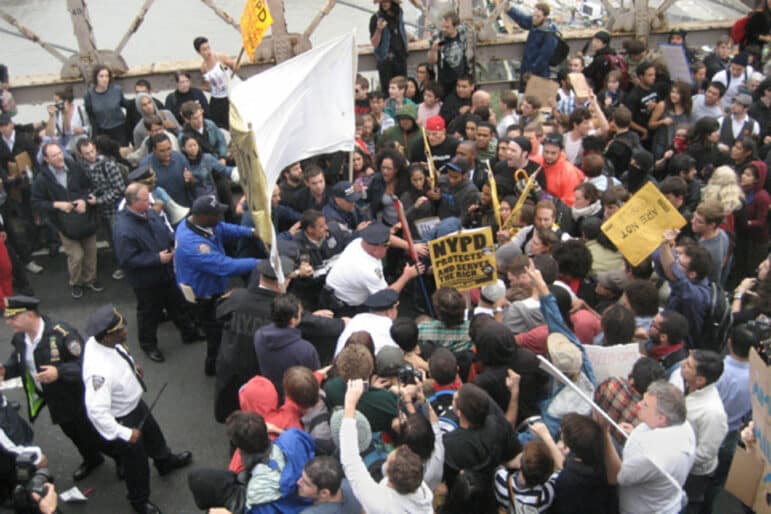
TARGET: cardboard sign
(426,227)
(636,228)
(749,478)
(543,89)
(580,85)
(612,361)
(464,260)
(677,62)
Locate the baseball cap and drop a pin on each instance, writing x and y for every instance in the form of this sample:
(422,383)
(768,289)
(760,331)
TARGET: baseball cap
(345,190)
(565,356)
(388,361)
(435,123)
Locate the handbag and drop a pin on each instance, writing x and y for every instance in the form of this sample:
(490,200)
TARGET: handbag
(77,226)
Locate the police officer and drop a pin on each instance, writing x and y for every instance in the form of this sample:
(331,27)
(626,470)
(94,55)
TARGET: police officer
(145,248)
(358,272)
(46,355)
(114,387)
(341,208)
(203,268)
(315,243)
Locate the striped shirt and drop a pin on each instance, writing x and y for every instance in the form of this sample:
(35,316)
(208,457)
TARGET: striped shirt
(527,500)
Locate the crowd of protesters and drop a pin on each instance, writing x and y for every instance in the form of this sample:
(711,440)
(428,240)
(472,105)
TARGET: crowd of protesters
(349,380)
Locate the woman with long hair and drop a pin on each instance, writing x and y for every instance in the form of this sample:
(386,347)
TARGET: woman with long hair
(387,182)
(752,242)
(702,145)
(105,106)
(363,171)
(204,166)
(414,200)
(757,31)
(673,111)
(723,187)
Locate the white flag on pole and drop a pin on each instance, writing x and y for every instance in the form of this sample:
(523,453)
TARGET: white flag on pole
(300,108)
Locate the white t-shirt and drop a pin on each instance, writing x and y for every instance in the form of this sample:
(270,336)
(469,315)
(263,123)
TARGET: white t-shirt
(376,325)
(356,275)
(732,87)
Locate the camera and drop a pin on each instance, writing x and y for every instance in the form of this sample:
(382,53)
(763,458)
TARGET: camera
(408,375)
(29,479)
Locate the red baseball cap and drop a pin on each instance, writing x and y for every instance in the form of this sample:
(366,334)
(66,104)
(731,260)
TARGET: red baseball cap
(435,123)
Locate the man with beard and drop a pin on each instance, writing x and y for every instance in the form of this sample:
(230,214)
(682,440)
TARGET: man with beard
(442,146)
(561,176)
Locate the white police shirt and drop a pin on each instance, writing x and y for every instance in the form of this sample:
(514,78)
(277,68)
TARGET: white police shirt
(112,388)
(356,275)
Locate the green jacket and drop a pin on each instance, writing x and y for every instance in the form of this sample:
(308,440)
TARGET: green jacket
(395,133)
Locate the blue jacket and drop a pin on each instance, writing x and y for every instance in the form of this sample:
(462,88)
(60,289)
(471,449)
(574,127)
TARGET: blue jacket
(383,49)
(138,241)
(171,177)
(298,448)
(278,349)
(200,259)
(539,46)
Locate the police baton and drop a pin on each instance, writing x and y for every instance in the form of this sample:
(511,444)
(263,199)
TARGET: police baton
(152,405)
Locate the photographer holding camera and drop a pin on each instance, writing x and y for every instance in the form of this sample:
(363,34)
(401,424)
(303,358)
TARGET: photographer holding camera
(25,484)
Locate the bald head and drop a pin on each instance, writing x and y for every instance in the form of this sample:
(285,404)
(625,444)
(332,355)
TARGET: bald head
(480,98)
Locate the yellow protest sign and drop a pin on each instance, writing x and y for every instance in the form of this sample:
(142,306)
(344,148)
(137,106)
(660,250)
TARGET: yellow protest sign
(464,260)
(255,22)
(636,228)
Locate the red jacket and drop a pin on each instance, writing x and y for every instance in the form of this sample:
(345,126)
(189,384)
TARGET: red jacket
(561,178)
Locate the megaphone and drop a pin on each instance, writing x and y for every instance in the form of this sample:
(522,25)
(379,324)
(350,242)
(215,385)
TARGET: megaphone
(175,212)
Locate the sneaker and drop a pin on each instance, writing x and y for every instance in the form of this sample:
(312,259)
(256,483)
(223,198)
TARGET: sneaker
(118,274)
(77,292)
(34,267)
(95,286)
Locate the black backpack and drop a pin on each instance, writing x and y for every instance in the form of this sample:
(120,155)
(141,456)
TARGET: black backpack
(561,51)
(717,322)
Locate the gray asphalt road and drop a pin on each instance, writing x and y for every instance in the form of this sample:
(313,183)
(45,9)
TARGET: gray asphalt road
(185,411)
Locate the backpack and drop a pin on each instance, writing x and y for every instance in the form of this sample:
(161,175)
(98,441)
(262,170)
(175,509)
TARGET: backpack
(739,30)
(617,62)
(561,51)
(718,320)
(441,402)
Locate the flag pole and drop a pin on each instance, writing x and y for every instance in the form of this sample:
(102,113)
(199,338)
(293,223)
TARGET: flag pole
(238,62)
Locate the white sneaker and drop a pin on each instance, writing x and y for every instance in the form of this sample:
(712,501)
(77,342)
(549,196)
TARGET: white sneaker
(34,267)
(118,274)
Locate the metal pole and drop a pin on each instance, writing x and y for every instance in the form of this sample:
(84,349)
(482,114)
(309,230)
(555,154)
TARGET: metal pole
(324,11)
(54,45)
(134,25)
(83,29)
(27,33)
(219,11)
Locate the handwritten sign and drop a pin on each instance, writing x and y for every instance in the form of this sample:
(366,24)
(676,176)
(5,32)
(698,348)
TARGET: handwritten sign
(464,260)
(637,226)
(612,361)
(255,22)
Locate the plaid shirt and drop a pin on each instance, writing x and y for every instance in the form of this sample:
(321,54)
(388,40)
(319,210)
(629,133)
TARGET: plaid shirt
(455,339)
(618,399)
(108,185)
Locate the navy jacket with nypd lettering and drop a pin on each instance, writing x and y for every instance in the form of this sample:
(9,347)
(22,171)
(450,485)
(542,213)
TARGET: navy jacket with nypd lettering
(138,243)
(200,259)
(59,346)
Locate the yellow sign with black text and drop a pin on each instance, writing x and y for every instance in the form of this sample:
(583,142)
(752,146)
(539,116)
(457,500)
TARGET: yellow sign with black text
(255,22)
(636,228)
(464,260)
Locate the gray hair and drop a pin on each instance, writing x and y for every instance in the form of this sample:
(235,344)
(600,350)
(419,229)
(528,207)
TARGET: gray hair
(670,401)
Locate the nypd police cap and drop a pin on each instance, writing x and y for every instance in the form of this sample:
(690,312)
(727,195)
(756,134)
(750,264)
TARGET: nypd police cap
(266,270)
(376,234)
(105,320)
(17,304)
(382,300)
(141,174)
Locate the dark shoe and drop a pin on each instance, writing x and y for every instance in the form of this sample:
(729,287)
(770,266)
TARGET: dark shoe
(53,250)
(86,468)
(77,292)
(175,461)
(154,354)
(210,367)
(95,286)
(146,508)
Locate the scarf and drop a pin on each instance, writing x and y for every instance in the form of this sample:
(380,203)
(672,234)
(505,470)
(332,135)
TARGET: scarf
(590,210)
